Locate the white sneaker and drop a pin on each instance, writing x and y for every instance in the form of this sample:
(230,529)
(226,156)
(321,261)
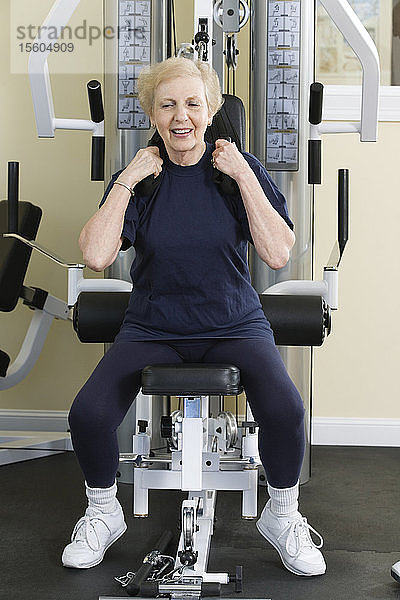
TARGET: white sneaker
(395,572)
(92,536)
(290,536)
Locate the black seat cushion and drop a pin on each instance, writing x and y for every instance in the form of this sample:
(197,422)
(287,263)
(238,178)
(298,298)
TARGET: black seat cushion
(15,255)
(191,379)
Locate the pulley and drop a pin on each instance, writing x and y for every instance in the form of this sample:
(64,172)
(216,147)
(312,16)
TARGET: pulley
(222,5)
(188,556)
(188,526)
(173,438)
(230,428)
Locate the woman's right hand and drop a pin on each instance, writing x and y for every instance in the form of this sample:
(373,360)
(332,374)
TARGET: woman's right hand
(147,161)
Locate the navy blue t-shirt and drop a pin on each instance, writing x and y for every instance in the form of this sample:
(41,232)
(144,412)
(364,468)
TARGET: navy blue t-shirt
(190,273)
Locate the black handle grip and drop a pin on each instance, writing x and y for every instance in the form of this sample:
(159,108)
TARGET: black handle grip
(148,589)
(97,116)
(134,586)
(314,161)
(316,101)
(98,149)
(210,589)
(343,208)
(12,195)
(95,101)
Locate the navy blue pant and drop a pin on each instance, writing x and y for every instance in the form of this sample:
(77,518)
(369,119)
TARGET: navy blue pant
(104,400)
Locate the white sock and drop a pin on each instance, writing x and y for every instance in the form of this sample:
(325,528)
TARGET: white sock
(102,499)
(284,501)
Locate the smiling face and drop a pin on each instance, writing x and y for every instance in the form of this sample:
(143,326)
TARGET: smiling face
(181,115)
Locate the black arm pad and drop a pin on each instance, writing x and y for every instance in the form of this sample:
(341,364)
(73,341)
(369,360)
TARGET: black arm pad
(98,316)
(295,320)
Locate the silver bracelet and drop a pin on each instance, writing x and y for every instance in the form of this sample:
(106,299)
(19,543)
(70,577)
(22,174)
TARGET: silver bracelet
(126,186)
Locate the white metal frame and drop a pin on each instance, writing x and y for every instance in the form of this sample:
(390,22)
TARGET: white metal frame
(361,42)
(343,103)
(34,341)
(39,77)
(196,469)
(339,10)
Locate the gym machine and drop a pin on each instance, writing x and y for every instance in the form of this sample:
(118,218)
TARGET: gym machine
(282,85)
(206,449)
(290,26)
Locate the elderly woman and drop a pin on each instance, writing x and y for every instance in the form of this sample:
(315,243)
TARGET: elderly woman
(192,302)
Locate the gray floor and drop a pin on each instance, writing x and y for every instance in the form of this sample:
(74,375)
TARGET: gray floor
(352,499)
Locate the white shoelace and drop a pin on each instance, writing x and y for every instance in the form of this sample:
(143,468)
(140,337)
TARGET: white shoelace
(84,527)
(299,534)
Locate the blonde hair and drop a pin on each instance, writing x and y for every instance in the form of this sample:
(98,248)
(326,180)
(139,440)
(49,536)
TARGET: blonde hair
(150,77)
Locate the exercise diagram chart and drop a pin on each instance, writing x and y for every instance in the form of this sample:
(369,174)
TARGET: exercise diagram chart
(283,77)
(134,53)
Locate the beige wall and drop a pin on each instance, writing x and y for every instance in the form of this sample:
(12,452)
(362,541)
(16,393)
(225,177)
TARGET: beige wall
(356,369)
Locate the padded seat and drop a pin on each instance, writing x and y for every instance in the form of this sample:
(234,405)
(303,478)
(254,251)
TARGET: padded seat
(191,379)
(14,255)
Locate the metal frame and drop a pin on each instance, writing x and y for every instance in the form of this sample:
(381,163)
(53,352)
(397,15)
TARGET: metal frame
(42,96)
(194,467)
(361,42)
(34,341)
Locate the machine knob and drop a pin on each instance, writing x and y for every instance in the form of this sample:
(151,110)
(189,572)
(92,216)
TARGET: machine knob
(188,557)
(166,427)
(202,36)
(142,426)
(251,425)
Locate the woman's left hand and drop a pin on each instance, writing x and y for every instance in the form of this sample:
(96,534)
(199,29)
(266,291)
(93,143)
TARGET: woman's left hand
(228,159)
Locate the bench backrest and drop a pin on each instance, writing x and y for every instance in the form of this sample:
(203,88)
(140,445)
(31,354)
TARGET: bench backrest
(14,255)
